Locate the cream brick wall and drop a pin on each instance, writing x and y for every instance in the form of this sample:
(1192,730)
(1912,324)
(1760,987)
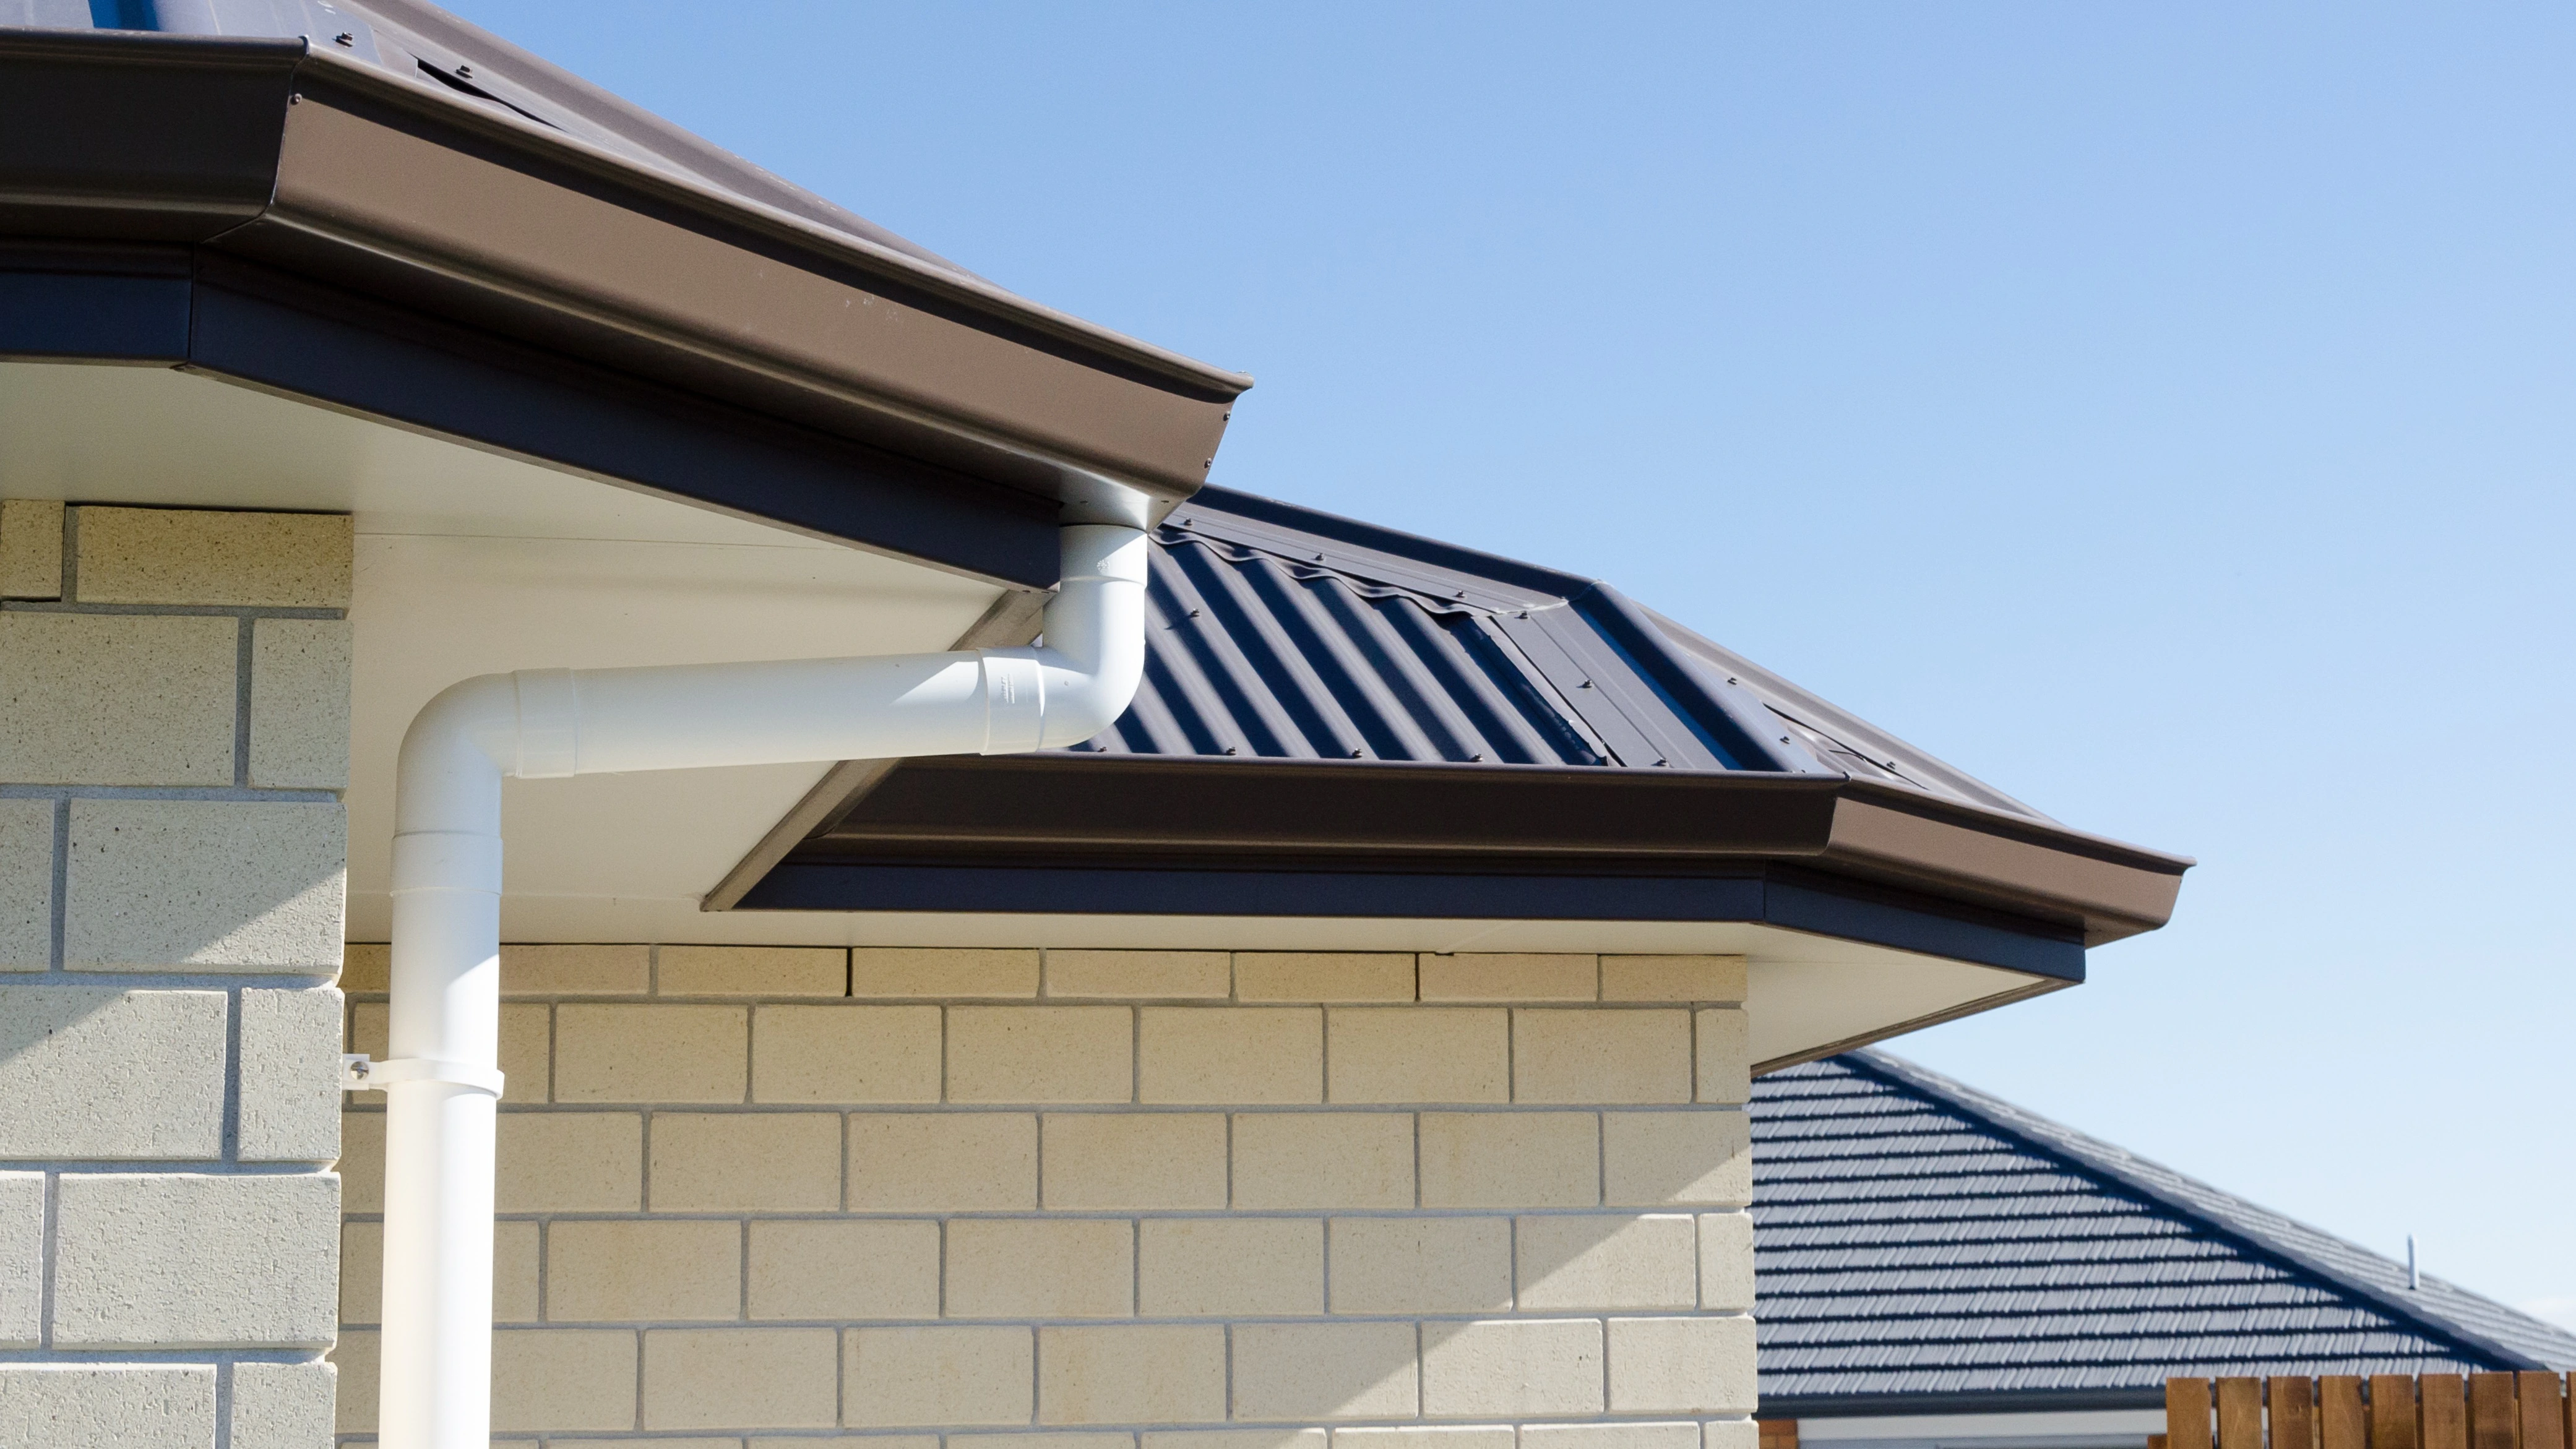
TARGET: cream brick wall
(173,737)
(1105,1200)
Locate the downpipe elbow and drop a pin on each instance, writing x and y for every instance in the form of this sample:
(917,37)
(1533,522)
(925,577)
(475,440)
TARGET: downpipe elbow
(448,774)
(1085,674)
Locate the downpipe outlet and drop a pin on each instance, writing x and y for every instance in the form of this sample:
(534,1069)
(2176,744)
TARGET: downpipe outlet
(442,1080)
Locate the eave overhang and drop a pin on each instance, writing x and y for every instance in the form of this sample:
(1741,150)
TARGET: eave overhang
(1151,835)
(217,159)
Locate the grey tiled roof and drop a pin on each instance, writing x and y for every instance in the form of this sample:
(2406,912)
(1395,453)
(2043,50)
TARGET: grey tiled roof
(1923,1246)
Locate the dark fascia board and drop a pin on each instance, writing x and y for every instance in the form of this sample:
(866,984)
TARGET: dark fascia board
(2430,1310)
(1754,893)
(1507,819)
(96,302)
(335,170)
(204,312)
(2007,1401)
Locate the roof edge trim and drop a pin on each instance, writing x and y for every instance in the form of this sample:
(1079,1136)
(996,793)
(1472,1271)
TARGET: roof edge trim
(401,190)
(874,256)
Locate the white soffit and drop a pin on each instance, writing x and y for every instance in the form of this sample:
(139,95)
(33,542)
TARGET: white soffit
(431,610)
(471,561)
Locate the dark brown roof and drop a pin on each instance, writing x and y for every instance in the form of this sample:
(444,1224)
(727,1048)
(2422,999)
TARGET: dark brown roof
(389,150)
(1447,733)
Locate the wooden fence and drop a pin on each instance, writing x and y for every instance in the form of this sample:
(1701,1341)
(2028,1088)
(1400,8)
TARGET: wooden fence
(2383,1411)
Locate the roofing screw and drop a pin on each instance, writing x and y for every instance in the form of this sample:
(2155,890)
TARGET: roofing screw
(1229,749)
(1475,757)
(1784,739)
(344,38)
(1355,754)
(1587,684)
(1660,764)
(1194,613)
(1731,679)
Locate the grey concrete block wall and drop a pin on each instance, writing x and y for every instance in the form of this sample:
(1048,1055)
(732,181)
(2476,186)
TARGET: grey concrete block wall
(289,1063)
(107,1406)
(26,884)
(117,699)
(194,1260)
(281,1405)
(299,703)
(22,1259)
(173,740)
(205,885)
(107,1073)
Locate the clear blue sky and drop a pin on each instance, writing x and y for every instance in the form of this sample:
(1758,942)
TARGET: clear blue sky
(2162,411)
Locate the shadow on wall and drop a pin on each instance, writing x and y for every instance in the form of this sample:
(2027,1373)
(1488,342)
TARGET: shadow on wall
(91,1071)
(104,1073)
(166,885)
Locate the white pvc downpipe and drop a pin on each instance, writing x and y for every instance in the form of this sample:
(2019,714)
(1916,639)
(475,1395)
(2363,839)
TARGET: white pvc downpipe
(442,1079)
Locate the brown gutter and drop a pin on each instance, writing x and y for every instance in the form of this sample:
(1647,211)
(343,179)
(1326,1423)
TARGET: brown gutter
(1486,817)
(409,193)
(1957,851)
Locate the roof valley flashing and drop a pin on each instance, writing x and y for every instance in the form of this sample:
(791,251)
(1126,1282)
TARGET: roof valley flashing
(1341,720)
(532,225)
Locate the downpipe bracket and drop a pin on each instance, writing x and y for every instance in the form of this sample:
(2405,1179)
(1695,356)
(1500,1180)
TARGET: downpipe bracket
(358,1073)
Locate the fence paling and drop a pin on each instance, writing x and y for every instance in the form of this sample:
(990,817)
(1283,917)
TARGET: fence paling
(2492,1412)
(2540,1428)
(2530,1410)
(2294,1413)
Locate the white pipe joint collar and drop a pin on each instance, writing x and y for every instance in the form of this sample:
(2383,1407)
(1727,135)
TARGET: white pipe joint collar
(1082,678)
(442,860)
(1014,702)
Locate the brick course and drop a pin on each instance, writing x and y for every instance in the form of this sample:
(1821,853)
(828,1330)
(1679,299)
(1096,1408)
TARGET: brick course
(1117,1200)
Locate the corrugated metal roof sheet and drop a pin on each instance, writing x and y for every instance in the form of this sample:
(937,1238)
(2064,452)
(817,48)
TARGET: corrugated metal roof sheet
(1254,654)
(1917,1240)
(1281,632)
